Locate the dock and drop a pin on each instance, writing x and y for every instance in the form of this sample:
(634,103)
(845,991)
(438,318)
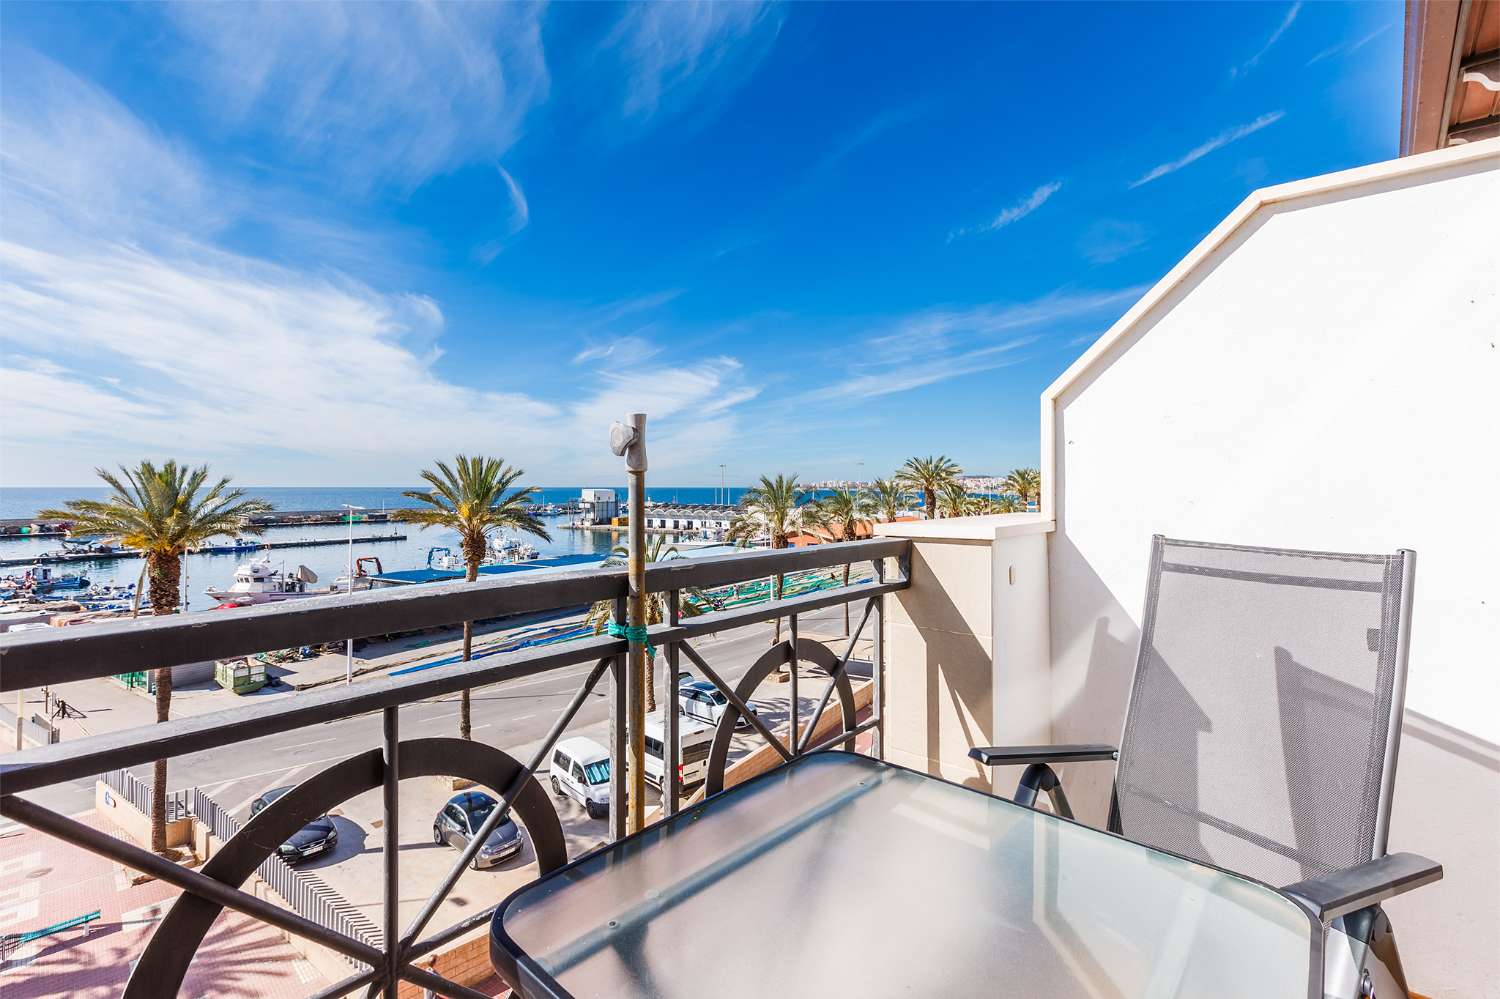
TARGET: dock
(57,558)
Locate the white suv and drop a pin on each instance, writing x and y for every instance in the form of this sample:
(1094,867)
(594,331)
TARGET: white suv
(702,701)
(580,770)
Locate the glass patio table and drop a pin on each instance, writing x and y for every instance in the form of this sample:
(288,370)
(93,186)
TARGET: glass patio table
(839,875)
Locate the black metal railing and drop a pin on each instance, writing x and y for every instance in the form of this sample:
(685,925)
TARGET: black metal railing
(33,659)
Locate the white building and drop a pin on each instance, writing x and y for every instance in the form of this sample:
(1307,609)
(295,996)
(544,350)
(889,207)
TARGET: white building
(599,506)
(1321,372)
(710,518)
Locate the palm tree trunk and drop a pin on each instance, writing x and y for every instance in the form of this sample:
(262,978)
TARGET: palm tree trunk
(164,571)
(776,585)
(650,683)
(846,603)
(929,501)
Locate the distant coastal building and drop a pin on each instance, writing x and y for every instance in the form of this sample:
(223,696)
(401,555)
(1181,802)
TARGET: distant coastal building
(711,517)
(599,506)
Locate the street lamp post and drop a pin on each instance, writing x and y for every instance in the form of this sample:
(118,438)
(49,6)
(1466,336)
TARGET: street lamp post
(349,588)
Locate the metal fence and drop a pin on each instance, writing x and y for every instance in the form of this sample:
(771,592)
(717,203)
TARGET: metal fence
(304,891)
(32,659)
(138,793)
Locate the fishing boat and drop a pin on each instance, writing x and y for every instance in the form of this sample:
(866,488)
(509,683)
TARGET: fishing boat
(504,548)
(236,547)
(259,582)
(41,579)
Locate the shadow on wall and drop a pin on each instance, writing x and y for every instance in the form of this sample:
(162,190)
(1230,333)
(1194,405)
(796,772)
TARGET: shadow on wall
(951,655)
(1089,697)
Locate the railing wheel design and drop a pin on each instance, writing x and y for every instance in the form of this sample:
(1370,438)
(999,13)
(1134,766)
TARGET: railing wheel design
(807,651)
(164,963)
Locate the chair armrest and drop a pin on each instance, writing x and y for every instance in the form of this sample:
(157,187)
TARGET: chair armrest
(1004,756)
(1343,892)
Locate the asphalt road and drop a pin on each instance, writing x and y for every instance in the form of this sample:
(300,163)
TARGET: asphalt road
(510,715)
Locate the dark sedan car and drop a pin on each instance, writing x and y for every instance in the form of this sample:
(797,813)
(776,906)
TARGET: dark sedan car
(318,836)
(458,821)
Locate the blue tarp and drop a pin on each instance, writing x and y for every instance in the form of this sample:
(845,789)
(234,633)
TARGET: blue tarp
(449,575)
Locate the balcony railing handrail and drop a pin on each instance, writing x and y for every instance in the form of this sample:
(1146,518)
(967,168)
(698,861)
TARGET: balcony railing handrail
(34,658)
(39,767)
(103,650)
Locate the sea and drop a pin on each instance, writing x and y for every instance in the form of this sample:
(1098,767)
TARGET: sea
(328,562)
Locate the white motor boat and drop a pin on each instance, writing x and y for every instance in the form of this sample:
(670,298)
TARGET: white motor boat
(503,548)
(260,582)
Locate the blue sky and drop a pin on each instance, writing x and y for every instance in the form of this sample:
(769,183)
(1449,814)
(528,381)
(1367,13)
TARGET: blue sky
(318,244)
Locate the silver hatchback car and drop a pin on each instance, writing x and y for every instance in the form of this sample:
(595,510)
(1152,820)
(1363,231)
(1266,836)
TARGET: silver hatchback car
(458,820)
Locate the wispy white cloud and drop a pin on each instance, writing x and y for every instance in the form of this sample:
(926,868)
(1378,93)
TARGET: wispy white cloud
(1345,48)
(72,151)
(936,345)
(1281,29)
(371,94)
(518,213)
(128,333)
(1014,213)
(675,53)
(871,131)
(1219,141)
(618,351)
(1107,240)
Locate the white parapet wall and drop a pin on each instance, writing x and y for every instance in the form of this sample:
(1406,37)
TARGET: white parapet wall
(967,654)
(1322,372)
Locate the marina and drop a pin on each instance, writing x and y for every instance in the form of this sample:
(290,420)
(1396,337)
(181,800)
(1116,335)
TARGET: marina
(107,554)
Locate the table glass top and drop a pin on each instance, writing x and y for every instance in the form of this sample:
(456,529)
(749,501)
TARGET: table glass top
(840,875)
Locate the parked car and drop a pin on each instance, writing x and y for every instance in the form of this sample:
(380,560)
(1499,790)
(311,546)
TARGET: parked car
(701,701)
(318,836)
(458,821)
(695,740)
(580,770)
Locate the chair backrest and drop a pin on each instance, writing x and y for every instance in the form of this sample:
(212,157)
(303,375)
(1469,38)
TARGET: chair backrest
(1266,707)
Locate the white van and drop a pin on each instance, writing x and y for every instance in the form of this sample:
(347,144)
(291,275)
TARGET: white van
(695,739)
(580,770)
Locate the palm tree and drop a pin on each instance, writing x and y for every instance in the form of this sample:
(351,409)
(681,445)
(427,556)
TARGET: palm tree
(1026,483)
(770,508)
(1005,504)
(162,512)
(928,476)
(839,513)
(887,499)
(954,500)
(474,500)
(603,612)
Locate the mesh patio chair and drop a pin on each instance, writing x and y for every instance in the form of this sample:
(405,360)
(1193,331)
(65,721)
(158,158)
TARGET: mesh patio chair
(1261,735)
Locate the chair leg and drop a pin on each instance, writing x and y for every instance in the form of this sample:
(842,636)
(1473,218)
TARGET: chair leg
(1361,960)
(1038,777)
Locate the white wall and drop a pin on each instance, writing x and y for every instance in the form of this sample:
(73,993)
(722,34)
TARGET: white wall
(1327,376)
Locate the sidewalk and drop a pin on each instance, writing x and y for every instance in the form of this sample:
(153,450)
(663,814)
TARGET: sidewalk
(44,881)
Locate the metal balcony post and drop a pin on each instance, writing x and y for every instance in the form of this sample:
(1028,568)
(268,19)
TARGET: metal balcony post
(877,668)
(671,727)
(390,804)
(791,665)
(617,713)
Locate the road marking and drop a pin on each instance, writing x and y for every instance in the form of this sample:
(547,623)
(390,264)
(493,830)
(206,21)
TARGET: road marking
(315,742)
(282,776)
(433,718)
(219,789)
(524,717)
